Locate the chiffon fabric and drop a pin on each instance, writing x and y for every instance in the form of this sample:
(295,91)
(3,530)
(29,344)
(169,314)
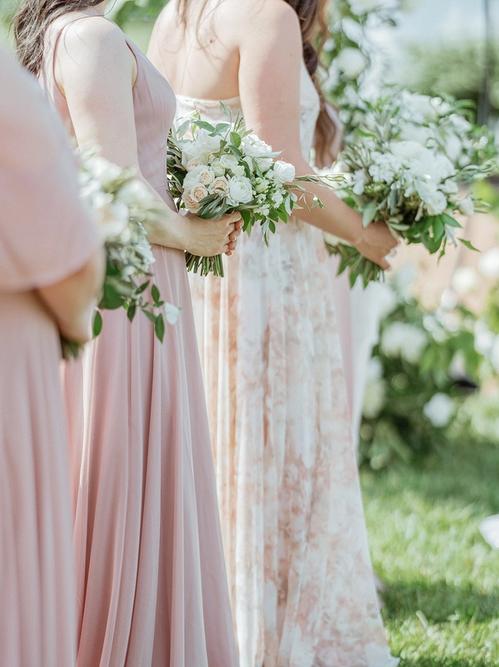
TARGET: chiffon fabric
(292,519)
(39,214)
(151,588)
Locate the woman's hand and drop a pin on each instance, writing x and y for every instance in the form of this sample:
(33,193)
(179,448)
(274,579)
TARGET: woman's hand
(376,243)
(207,238)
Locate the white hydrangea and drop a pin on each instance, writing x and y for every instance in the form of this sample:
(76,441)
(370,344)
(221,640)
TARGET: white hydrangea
(403,340)
(488,264)
(439,410)
(351,62)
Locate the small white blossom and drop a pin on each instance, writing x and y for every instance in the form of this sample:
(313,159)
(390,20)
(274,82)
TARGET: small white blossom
(439,410)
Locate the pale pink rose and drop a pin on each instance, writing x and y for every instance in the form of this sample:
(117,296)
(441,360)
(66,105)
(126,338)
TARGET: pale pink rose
(220,185)
(190,202)
(199,192)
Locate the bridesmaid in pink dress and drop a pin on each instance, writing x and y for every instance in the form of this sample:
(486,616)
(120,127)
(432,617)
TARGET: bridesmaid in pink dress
(42,291)
(151,586)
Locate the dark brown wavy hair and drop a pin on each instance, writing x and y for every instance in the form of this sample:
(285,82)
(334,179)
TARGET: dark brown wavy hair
(312,15)
(31,22)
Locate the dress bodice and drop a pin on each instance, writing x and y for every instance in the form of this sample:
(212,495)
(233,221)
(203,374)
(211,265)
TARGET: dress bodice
(309,109)
(153,101)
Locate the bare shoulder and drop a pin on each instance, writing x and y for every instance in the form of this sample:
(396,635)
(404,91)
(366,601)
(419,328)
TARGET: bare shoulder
(273,20)
(258,14)
(94,37)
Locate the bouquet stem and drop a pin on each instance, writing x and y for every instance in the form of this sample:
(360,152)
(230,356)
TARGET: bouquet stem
(358,267)
(205,265)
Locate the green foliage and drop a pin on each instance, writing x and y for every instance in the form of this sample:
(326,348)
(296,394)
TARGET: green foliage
(435,359)
(454,69)
(128,11)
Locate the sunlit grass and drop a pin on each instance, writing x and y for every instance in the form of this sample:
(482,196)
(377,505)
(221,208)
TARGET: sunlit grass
(442,597)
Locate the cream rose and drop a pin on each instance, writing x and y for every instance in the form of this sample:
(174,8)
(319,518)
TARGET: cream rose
(219,185)
(200,175)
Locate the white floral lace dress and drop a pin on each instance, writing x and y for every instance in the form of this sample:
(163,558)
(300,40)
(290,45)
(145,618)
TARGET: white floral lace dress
(293,524)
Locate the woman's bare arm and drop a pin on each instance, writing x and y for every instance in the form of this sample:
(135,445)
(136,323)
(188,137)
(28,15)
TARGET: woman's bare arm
(270,49)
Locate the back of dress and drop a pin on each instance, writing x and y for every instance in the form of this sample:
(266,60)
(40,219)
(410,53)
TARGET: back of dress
(292,517)
(153,102)
(151,583)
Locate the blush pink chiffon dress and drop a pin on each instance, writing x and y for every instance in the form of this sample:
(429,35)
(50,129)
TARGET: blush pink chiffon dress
(39,215)
(151,589)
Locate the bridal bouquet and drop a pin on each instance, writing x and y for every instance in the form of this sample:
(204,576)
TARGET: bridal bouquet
(121,205)
(404,165)
(222,168)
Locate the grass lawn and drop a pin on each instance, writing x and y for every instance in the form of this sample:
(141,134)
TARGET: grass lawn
(442,596)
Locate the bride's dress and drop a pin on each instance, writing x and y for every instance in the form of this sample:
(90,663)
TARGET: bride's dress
(296,546)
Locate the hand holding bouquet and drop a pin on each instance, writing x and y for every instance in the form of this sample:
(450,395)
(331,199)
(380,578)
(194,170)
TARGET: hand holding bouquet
(121,205)
(404,165)
(224,168)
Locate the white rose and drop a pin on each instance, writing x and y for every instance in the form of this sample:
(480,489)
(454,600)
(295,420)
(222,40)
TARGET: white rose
(253,146)
(439,410)
(219,185)
(264,163)
(284,172)
(194,196)
(199,192)
(351,62)
(171,313)
(189,202)
(195,162)
(198,150)
(199,175)
(229,162)
(218,168)
(488,264)
(240,190)
(239,170)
